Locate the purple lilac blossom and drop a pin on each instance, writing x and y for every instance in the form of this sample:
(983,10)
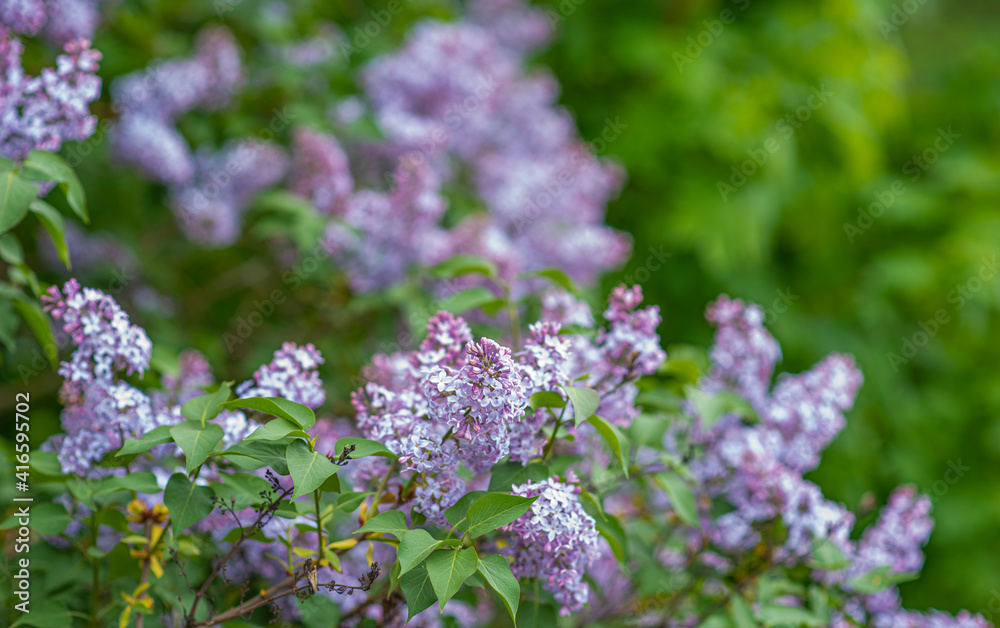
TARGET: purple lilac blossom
(292,374)
(555,541)
(320,171)
(210,189)
(60,21)
(41,112)
(99,409)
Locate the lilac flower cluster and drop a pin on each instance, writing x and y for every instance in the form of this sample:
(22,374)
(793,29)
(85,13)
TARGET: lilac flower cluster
(61,21)
(456,94)
(100,408)
(618,355)
(451,402)
(756,467)
(292,374)
(556,541)
(208,189)
(41,112)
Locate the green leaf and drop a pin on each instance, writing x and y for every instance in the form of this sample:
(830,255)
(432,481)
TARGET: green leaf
(296,413)
(774,615)
(206,407)
(877,580)
(711,406)
(276,429)
(827,556)
(16,194)
(546,399)
(414,546)
(494,510)
(496,571)
(156,436)
(49,519)
(464,265)
(142,482)
(11,250)
(506,476)
(39,324)
(53,223)
(556,276)
(362,448)
(392,522)
(456,514)
(309,469)
(349,502)
(269,453)
(585,402)
(681,496)
(46,166)
(52,614)
(418,591)
(242,487)
(196,442)
(187,502)
(613,438)
(739,611)
(448,569)
(46,463)
(470,299)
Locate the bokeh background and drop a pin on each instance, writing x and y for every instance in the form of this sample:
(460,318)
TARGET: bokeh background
(872,206)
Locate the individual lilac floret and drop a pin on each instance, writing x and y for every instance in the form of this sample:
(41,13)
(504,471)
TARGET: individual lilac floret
(292,374)
(106,341)
(744,353)
(555,541)
(44,111)
(320,171)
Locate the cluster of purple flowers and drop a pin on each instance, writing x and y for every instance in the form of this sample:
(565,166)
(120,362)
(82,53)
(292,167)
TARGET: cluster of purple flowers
(618,355)
(60,21)
(41,112)
(754,460)
(555,541)
(457,92)
(208,189)
(451,402)
(100,408)
(291,374)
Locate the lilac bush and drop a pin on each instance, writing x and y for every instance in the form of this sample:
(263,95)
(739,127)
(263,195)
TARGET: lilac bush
(474,457)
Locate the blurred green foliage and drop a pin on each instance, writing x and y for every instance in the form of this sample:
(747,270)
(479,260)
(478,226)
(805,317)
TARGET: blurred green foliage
(697,94)
(694,85)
